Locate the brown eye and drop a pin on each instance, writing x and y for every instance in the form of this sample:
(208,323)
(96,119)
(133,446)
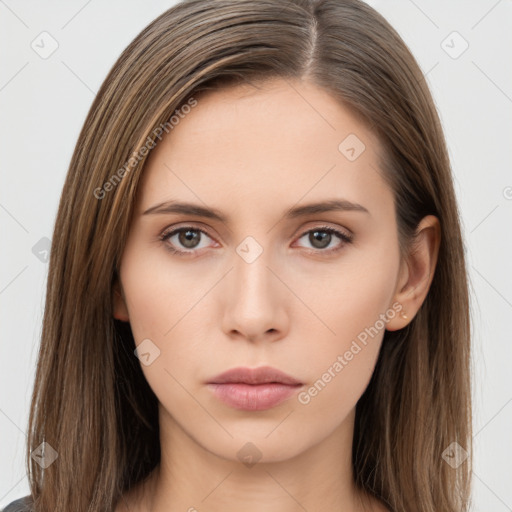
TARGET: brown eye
(185,240)
(189,238)
(321,239)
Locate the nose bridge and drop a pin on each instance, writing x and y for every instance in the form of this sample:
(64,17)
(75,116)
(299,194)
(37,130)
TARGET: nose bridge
(252,301)
(251,275)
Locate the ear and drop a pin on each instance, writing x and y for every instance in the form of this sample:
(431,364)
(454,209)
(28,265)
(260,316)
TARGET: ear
(119,303)
(416,272)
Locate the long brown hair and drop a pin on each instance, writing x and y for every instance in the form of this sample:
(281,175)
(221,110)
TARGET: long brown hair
(91,402)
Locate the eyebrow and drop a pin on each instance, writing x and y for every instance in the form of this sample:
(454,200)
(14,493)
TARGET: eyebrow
(292,213)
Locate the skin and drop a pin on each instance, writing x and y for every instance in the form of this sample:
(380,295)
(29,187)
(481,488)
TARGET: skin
(252,154)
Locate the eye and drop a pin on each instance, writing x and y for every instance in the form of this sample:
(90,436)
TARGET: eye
(187,240)
(322,237)
(187,237)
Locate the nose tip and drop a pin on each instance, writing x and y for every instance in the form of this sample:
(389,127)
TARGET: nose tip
(253,307)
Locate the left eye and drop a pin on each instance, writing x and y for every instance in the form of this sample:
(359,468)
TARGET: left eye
(190,238)
(320,238)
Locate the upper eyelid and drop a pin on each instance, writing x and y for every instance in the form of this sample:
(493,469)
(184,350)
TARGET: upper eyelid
(324,225)
(174,230)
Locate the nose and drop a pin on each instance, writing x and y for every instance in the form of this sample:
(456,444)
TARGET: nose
(254,301)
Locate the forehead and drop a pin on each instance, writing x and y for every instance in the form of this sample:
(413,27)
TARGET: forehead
(276,143)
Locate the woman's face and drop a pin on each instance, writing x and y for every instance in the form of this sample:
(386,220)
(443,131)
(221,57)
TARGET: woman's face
(258,278)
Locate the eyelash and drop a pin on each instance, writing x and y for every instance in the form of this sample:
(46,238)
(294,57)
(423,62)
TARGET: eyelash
(345,239)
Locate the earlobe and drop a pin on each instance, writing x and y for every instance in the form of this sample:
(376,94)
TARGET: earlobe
(120,311)
(414,283)
(400,319)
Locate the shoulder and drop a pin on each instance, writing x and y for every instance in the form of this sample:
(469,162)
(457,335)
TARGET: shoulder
(19,505)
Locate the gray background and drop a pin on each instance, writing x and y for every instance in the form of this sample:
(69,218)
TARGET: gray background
(44,102)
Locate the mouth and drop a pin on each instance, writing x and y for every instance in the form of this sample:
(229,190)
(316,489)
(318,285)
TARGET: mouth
(253,389)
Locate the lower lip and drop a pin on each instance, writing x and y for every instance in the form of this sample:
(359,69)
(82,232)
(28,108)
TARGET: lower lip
(253,397)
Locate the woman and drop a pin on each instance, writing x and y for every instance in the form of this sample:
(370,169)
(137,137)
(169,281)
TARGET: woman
(257,294)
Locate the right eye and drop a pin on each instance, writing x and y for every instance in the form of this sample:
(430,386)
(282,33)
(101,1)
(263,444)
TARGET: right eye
(186,237)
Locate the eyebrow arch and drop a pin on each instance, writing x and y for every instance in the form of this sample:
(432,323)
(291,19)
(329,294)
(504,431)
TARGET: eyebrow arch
(325,206)
(294,212)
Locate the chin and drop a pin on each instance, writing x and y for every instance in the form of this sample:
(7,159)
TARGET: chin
(256,445)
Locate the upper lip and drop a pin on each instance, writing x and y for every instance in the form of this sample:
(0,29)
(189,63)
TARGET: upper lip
(261,375)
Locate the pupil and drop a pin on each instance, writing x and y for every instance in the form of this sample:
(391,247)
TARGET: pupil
(320,239)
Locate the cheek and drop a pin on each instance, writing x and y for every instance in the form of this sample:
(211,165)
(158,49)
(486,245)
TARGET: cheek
(143,291)
(160,293)
(348,298)
(353,303)
(163,304)
(168,306)
(340,365)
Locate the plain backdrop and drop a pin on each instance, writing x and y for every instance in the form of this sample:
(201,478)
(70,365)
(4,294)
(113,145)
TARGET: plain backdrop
(464,49)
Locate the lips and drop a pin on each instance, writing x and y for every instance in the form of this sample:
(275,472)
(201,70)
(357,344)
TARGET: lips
(253,389)
(261,375)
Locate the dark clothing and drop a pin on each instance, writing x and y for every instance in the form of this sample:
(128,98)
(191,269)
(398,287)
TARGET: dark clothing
(20,505)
